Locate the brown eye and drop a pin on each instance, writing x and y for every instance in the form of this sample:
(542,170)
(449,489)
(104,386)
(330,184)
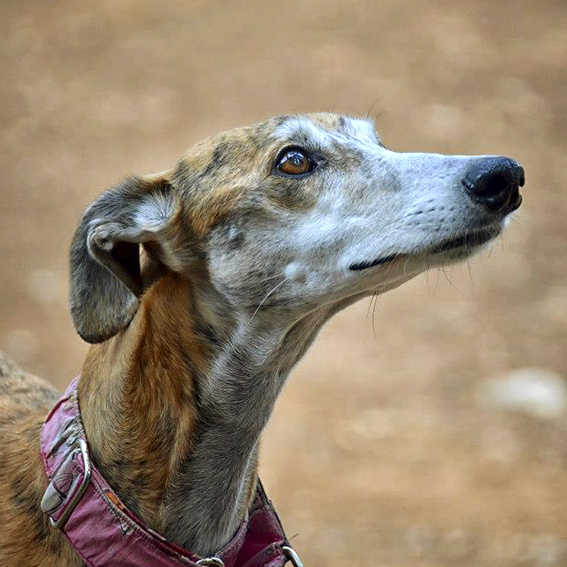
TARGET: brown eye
(294,162)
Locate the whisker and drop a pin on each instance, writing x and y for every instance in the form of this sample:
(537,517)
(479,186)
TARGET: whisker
(372,108)
(268,279)
(369,306)
(266,297)
(449,281)
(470,271)
(376,300)
(518,217)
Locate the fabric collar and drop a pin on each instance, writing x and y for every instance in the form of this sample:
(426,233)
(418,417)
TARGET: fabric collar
(105,533)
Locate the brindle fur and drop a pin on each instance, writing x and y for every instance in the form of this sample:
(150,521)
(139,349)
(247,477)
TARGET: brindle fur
(199,299)
(26,539)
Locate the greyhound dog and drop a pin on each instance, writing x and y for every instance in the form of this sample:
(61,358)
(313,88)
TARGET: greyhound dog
(199,289)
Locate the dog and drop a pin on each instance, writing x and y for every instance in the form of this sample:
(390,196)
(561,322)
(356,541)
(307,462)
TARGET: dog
(201,287)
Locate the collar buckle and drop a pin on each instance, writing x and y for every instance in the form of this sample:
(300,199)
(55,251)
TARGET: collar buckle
(67,484)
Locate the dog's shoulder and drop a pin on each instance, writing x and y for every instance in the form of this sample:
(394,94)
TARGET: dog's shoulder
(21,391)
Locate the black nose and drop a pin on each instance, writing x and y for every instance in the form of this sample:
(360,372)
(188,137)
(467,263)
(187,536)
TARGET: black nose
(494,182)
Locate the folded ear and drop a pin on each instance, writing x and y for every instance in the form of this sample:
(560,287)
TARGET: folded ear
(106,277)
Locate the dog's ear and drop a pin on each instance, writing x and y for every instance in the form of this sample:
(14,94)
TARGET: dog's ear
(106,277)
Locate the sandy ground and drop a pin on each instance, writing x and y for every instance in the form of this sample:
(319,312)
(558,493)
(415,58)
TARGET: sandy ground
(381,451)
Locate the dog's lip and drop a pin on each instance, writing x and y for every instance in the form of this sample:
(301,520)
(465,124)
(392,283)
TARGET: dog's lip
(469,240)
(516,202)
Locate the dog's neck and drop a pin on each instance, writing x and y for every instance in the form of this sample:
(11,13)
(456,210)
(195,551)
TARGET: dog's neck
(175,405)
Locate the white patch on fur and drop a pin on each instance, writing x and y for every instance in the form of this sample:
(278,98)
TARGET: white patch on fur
(294,271)
(298,128)
(362,129)
(155,212)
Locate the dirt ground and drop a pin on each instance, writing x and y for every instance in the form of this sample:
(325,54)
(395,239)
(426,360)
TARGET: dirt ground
(381,451)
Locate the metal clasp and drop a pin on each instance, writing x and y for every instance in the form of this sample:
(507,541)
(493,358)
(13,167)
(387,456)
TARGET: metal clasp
(72,504)
(292,556)
(211,562)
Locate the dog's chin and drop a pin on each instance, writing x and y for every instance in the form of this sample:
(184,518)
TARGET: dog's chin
(462,246)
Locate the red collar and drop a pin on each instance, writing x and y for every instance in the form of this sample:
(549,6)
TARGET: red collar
(105,533)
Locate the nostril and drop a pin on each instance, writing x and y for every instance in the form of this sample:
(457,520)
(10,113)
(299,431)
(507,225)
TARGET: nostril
(494,184)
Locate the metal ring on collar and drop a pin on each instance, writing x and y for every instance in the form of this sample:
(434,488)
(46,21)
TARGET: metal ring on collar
(292,556)
(211,562)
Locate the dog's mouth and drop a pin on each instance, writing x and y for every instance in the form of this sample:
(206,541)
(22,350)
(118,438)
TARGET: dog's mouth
(371,264)
(464,243)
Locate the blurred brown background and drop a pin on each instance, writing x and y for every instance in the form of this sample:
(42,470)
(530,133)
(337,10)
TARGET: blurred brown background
(429,430)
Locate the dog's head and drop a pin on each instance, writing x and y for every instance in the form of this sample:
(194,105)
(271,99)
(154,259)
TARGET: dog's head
(287,215)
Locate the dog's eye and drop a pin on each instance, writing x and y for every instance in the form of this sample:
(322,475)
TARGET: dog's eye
(294,161)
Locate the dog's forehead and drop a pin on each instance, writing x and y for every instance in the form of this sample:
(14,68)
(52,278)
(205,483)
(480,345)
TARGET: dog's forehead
(249,142)
(324,129)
